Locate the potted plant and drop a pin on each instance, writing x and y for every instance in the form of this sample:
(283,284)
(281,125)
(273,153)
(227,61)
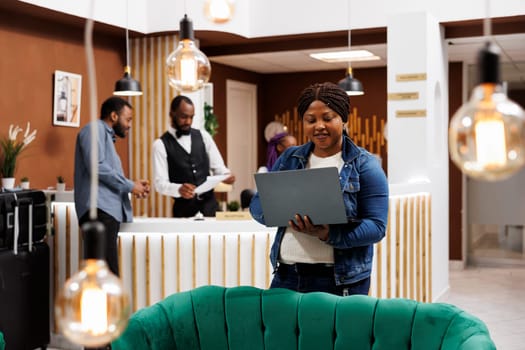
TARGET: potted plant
(211,124)
(24,183)
(233,206)
(11,149)
(61,184)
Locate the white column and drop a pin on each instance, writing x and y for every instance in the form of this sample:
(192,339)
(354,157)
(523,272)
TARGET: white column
(199,97)
(418,121)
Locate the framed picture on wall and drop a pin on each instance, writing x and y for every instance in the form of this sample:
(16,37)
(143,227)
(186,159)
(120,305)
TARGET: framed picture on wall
(66,99)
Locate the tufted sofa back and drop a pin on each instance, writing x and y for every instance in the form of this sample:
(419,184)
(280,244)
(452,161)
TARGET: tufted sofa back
(247,318)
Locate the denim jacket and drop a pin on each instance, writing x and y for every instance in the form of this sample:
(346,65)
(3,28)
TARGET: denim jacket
(365,192)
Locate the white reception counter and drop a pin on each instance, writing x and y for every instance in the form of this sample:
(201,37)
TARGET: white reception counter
(160,256)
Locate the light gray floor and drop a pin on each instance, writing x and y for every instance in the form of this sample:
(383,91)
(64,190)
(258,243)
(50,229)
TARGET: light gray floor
(496,296)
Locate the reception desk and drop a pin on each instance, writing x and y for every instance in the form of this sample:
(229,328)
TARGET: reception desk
(160,256)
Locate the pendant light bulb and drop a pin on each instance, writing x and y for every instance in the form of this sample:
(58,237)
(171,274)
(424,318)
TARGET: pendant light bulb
(219,11)
(92,307)
(187,67)
(487,134)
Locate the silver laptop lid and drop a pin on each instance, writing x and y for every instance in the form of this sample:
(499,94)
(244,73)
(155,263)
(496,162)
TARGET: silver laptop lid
(312,192)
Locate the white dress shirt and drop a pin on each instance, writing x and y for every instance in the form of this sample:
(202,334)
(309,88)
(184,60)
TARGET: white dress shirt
(161,179)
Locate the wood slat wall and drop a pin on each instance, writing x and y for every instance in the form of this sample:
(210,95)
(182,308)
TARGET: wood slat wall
(366,132)
(403,260)
(151,119)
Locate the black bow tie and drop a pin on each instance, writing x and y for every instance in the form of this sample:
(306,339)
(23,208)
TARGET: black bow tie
(179,133)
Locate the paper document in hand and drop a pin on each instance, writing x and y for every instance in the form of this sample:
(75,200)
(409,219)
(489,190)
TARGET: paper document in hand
(210,183)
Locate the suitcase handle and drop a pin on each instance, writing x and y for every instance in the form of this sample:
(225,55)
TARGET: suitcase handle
(16,223)
(17,203)
(23,201)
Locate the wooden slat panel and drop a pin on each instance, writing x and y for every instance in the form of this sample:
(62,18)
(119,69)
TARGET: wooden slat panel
(134,302)
(163,267)
(410,246)
(429,215)
(148,272)
(398,248)
(379,278)
(417,214)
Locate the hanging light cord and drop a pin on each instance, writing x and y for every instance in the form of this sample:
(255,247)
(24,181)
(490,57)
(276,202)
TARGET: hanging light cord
(487,31)
(92,87)
(127,35)
(349,37)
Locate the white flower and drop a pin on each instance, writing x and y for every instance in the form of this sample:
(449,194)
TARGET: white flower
(13,132)
(29,137)
(27,130)
(11,148)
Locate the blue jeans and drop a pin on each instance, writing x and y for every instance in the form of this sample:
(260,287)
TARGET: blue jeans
(306,278)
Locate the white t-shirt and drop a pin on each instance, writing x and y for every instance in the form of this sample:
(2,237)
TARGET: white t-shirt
(298,247)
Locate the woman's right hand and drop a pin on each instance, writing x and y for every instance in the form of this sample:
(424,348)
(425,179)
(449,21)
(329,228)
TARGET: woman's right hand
(305,225)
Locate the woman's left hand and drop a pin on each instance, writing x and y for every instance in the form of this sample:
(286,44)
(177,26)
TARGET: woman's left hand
(305,225)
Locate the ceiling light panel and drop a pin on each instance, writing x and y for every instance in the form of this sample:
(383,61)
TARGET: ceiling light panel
(345,56)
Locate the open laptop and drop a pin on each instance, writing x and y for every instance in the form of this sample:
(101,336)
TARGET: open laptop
(312,192)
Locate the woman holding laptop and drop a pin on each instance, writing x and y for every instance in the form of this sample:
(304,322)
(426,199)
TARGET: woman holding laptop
(316,256)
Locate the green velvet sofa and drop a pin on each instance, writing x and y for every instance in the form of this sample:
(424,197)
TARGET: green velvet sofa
(247,318)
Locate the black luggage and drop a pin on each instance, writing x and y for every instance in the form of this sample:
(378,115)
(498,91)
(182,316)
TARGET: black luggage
(24,297)
(31,210)
(24,271)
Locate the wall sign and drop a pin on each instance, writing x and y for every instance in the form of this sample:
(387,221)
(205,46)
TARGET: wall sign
(411,113)
(411,77)
(403,96)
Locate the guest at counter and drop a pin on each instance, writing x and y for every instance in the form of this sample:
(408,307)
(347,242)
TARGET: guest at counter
(113,204)
(277,145)
(183,157)
(313,256)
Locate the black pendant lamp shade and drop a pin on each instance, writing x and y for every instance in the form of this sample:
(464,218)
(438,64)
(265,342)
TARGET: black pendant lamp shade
(488,64)
(186,29)
(351,85)
(127,86)
(94,234)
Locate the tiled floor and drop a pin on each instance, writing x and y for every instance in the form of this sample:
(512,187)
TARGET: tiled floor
(496,296)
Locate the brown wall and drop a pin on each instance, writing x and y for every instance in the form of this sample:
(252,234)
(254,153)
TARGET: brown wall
(455,81)
(518,96)
(32,49)
(220,73)
(279,93)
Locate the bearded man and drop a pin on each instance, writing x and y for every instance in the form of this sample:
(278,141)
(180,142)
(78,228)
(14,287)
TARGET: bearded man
(183,157)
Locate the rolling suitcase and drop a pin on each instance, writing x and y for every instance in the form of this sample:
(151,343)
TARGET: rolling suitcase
(24,279)
(31,211)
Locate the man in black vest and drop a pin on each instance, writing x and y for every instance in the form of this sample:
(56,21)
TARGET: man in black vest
(183,158)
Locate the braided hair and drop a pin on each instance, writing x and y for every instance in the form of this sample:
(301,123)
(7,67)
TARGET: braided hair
(328,93)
